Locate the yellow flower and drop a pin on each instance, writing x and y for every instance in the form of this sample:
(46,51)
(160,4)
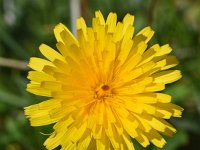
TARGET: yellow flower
(103,87)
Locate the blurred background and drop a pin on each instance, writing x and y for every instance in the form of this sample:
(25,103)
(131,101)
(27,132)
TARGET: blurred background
(25,24)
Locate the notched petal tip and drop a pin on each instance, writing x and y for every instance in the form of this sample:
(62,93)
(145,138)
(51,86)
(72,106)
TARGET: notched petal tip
(57,30)
(128,19)
(66,38)
(99,15)
(147,32)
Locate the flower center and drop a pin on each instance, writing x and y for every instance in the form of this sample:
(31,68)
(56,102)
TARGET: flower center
(103,91)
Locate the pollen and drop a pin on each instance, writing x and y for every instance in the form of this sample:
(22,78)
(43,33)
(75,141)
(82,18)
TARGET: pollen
(102,91)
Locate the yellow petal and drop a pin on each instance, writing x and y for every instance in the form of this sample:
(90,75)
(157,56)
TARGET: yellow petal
(63,124)
(130,124)
(128,19)
(115,139)
(166,77)
(97,131)
(142,139)
(35,88)
(143,124)
(174,109)
(171,61)
(72,51)
(165,62)
(90,44)
(118,34)
(149,54)
(39,114)
(160,113)
(79,133)
(100,145)
(158,124)
(63,35)
(169,129)
(91,121)
(108,57)
(165,49)
(127,35)
(85,140)
(53,141)
(38,63)
(147,67)
(155,87)
(81,25)
(140,108)
(99,15)
(127,141)
(148,98)
(129,76)
(125,49)
(39,76)
(56,138)
(139,46)
(46,105)
(103,143)
(129,90)
(63,66)
(130,64)
(69,145)
(147,33)
(163,98)
(51,85)
(110,114)
(92,144)
(60,112)
(100,112)
(50,70)
(111,22)
(50,53)
(156,138)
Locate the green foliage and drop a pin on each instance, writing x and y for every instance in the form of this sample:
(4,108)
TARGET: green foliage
(31,23)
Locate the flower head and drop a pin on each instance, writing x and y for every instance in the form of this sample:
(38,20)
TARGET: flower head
(103,87)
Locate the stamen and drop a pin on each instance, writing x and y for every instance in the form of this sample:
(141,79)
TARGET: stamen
(103,91)
(105,87)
